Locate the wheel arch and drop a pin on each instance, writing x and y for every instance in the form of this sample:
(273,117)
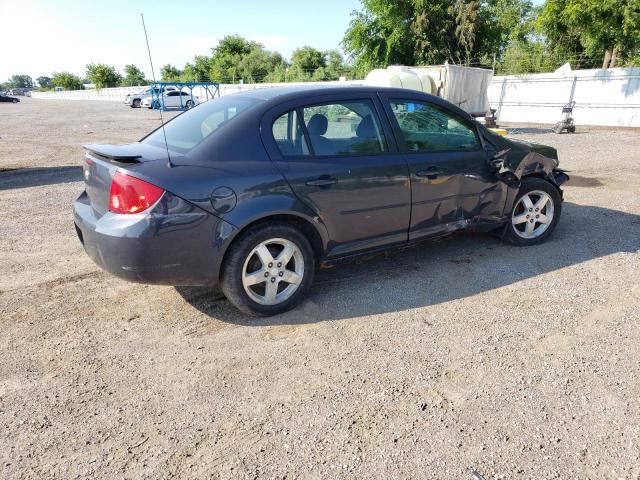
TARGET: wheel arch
(513,192)
(547,177)
(304,225)
(534,181)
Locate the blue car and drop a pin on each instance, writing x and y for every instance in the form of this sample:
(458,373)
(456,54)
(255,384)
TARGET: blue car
(255,191)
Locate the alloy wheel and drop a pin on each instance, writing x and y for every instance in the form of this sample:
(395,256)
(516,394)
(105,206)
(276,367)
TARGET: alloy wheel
(533,214)
(273,271)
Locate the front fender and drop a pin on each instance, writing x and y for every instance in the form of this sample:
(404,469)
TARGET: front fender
(512,171)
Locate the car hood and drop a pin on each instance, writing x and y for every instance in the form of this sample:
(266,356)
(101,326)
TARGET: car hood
(545,150)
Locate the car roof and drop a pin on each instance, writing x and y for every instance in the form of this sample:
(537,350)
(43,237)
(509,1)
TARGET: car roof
(303,91)
(275,95)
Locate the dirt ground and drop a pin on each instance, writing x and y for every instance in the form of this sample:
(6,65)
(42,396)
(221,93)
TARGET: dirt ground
(428,363)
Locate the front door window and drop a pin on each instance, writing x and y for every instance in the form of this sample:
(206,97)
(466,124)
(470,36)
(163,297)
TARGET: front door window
(427,128)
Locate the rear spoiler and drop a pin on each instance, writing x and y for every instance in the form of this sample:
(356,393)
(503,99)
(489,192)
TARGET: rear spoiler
(118,153)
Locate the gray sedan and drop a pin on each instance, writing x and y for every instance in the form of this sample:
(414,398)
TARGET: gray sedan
(255,191)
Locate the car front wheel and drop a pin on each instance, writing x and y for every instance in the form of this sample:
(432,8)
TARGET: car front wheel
(268,270)
(535,213)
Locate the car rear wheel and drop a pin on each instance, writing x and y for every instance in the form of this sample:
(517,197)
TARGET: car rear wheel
(535,213)
(268,270)
(189,105)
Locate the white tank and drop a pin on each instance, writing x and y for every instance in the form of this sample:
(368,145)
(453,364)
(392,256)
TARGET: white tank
(408,78)
(428,84)
(402,77)
(382,78)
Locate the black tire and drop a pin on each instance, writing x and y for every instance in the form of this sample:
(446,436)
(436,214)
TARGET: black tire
(15,100)
(136,103)
(571,129)
(528,185)
(232,268)
(189,105)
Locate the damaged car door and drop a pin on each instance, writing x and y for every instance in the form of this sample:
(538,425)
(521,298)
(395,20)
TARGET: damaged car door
(451,182)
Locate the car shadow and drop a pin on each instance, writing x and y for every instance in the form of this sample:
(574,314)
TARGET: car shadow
(433,273)
(38,176)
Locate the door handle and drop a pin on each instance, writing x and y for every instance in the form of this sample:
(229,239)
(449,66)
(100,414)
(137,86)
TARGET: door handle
(431,173)
(323,181)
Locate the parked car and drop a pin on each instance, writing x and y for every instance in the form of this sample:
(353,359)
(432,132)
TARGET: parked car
(175,99)
(5,98)
(135,100)
(262,188)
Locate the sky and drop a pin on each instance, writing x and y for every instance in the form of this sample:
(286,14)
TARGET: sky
(65,35)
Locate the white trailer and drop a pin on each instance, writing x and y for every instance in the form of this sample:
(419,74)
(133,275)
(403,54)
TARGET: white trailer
(465,87)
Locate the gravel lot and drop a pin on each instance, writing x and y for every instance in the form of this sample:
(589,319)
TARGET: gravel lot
(429,363)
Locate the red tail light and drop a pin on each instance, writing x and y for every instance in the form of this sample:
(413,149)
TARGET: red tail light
(131,195)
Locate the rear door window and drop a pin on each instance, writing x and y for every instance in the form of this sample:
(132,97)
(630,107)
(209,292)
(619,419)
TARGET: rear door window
(289,136)
(427,128)
(344,129)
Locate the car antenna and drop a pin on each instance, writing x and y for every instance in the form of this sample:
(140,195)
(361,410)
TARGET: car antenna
(153,74)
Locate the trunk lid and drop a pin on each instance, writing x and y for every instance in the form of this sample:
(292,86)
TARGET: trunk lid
(102,162)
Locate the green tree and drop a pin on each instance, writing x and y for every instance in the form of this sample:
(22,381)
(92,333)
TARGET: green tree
(466,19)
(531,55)
(307,63)
(133,76)
(592,29)
(308,59)
(509,21)
(67,80)
(278,74)
(198,71)
(257,64)
(419,32)
(103,76)
(44,83)
(20,81)
(236,58)
(335,65)
(169,73)
(226,57)
(380,35)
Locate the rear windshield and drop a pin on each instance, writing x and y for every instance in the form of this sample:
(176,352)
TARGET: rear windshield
(190,128)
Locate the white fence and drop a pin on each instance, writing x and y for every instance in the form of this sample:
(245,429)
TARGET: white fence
(118,94)
(603,97)
(608,97)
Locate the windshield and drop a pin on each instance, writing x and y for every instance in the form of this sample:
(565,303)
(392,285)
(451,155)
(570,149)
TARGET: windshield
(187,130)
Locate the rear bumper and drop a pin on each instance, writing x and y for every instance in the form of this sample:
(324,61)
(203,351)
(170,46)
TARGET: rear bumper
(175,243)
